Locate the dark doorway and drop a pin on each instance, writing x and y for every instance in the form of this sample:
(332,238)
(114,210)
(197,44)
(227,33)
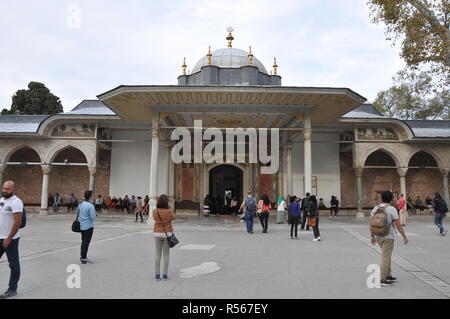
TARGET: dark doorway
(222,179)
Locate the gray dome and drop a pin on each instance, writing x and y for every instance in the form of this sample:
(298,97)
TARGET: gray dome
(229,58)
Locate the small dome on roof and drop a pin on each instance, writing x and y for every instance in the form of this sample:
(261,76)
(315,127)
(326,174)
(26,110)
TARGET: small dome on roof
(229,58)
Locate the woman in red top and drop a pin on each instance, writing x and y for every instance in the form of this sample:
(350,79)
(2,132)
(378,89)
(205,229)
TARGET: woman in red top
(263,212)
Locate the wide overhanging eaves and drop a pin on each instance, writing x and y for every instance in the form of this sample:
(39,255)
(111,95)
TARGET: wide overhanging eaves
(135,103)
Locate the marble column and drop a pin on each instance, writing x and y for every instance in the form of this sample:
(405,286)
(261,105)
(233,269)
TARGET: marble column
(171,178)
(280,176)
(359,192)
(92,172)
(307,152)
(444,172)
(402,173)
(284,172)
(153,192)
(289,168)
(44,194)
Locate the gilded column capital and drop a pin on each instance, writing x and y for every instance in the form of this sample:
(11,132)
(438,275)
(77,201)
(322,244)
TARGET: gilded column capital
(307,133)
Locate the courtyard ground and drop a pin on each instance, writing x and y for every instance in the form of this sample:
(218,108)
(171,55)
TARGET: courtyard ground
(216,258)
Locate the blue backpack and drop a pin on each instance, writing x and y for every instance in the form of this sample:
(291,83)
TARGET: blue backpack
(250,204)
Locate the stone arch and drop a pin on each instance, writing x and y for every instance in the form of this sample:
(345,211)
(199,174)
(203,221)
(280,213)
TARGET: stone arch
(435,156)
(57,150)
(28,178)
(16,148)
(82,159)
(383,149)
(225,176)
(242,167)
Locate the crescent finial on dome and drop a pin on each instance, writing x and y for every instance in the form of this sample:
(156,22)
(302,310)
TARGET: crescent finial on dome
(230,37)
(209,55)
(250,56)
(184,66)
(275,66)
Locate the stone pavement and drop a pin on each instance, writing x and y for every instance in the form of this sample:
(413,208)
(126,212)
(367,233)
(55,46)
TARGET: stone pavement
(218,259)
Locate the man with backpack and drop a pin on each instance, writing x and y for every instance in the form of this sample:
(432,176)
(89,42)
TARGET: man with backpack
(249,204)
(11,210)
(383,219)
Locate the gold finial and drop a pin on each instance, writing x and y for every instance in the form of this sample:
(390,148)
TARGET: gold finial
(209,55)
(250,56)
(275,66)
(230,37)
(184,66)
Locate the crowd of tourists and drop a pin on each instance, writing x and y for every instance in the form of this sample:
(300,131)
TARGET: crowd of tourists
(385,221)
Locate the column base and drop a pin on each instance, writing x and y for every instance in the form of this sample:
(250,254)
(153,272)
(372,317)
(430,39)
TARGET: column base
(43,212)
(360,215)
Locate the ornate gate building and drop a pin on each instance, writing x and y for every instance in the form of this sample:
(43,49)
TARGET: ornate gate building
(331,143)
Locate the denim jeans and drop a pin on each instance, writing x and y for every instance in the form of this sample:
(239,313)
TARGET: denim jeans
(12,253)
(249,221)
(438,217)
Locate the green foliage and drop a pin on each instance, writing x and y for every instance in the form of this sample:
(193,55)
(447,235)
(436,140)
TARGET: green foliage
(414,95)
(37,100)
(422,26)
(421,91)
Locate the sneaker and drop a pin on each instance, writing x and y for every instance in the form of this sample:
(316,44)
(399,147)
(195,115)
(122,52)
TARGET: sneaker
(157,277)
(444,233)
(8,294)
(316,239)
(390,278)
(386,283)
(86,261)
(165,277)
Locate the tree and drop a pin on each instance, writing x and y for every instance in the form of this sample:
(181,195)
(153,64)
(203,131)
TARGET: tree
(37,100)
(414,95)
(421,90)
(422,25)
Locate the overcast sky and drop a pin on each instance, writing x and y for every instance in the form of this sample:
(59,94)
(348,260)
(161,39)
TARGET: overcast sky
(109,43)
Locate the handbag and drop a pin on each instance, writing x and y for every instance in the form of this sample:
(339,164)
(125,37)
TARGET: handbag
(173,241)
(76,226)
(312,222)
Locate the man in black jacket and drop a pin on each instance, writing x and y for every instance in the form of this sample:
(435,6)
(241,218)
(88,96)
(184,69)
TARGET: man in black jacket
(304,207)
(440,209)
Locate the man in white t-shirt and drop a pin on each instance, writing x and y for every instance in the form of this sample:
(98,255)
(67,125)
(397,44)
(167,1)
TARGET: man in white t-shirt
(11,209)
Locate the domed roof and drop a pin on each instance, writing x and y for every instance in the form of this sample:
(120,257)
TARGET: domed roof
(229,58)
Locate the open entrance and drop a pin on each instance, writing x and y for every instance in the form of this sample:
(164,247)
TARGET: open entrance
(225,183)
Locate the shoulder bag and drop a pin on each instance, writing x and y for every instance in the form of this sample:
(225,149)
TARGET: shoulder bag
(76,227)
(173,241)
